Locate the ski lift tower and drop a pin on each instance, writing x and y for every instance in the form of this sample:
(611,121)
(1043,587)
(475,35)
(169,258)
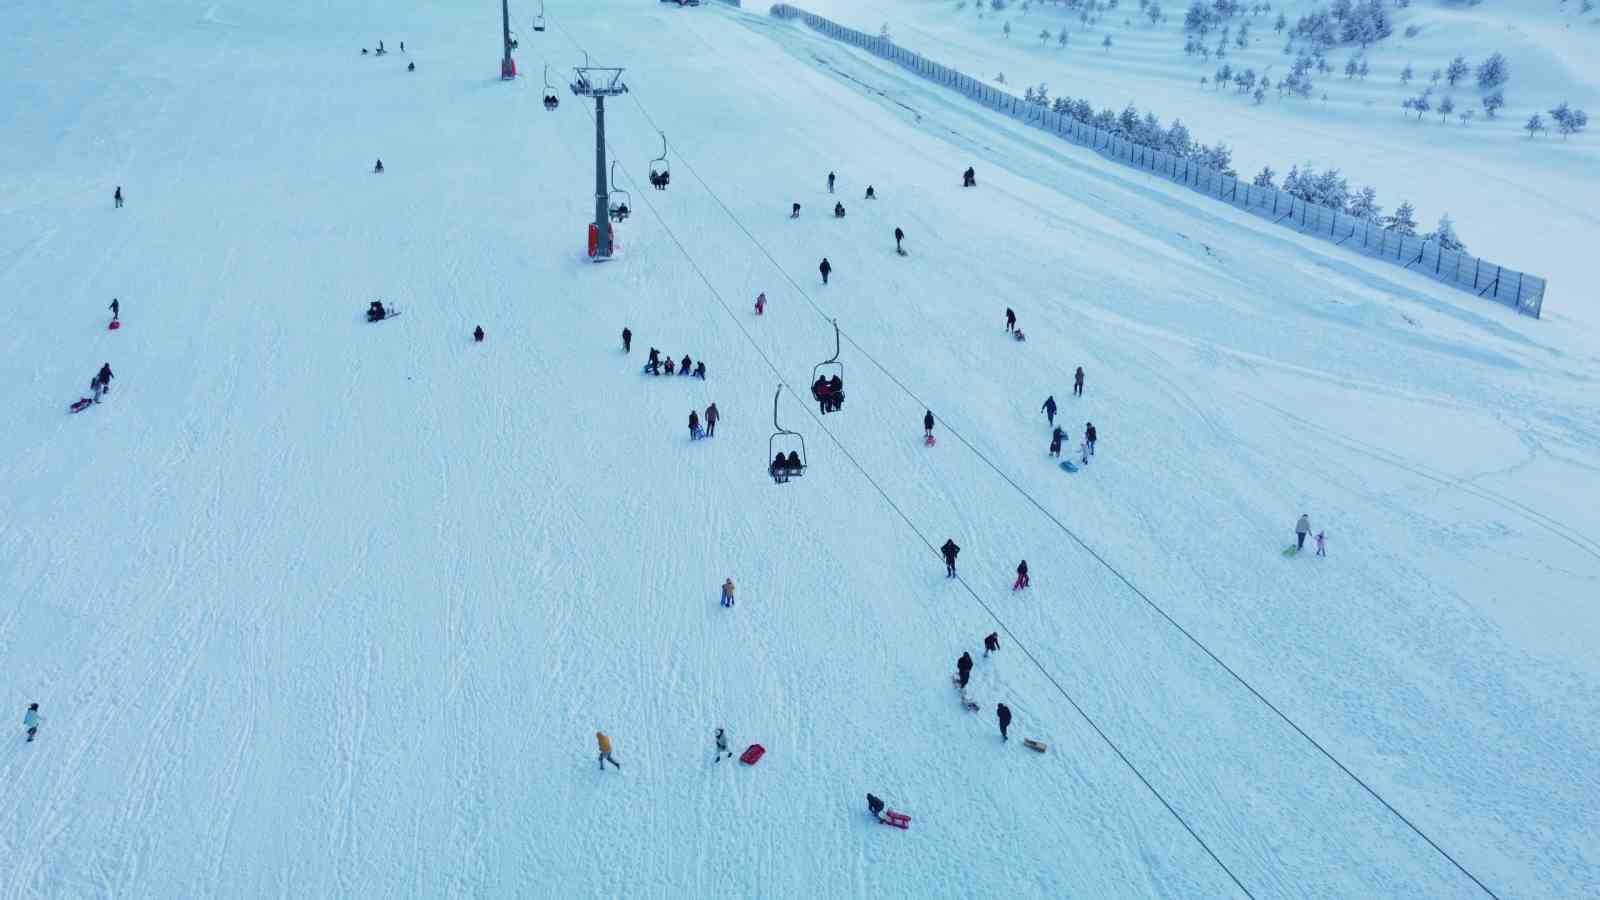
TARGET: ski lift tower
(599,82)
(508,66)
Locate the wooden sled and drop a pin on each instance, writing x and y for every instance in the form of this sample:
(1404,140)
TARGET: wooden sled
(1034,745)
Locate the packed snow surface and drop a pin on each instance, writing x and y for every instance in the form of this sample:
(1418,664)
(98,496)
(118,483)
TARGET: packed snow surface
(315,607)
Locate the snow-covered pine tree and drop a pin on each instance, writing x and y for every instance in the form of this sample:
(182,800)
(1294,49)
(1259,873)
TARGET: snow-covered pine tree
(1264,178)
(1403,221)
(1534,125)
(1364,205)
(1493,72)
(1492,103)
(1446,107)
(1445,235)
(1456,71)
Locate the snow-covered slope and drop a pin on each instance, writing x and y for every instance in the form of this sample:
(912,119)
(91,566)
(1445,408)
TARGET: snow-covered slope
(314,607)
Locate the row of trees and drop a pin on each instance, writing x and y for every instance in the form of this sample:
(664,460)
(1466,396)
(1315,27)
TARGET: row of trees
(1143,129)
(1332,190)
(1344,22)
(1568,121)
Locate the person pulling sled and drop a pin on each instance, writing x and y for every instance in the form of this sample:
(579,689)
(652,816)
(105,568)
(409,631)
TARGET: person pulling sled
(927,429)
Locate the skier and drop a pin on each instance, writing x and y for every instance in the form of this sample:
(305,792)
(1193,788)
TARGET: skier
(30,720)
(477,334)
(838,210)
(627,341)
(700,370)
(964,669)
(875,806)
(761,303)
(377,168)
(898,237)
(969,178)
(117,197)
(1089,436)
(727,592)
(927,425)
(1301,529)
(794,212)
(712,415)
(991,643)
(1077,382)
(722,747)
(825,268)
(1049,408)
(1055,441)
(694,426)
(116,309)
(950,550)
(830,182)
(870,194)
(1003,713)
(1022,576)
(1321,550)
(1011,319)
(605,750)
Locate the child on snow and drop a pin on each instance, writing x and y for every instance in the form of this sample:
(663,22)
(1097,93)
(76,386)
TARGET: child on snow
(727,600)
(30,720)
(761,303)
(1321,550)
(605,750)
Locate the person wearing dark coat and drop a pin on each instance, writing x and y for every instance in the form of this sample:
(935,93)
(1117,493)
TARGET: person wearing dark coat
(686,366)
(1003,713)
(477,334)
(830,182)
(875,806)
(794,211)
(793,462)
(1055,442)
(969,178)
(694,425)
(1077,382)
(838,210)
(950,550)
(411,67)
(1022,576)
(991,643)
(653,364)
(870,194)
(964,669)
(116,309)
(712,416)
(105,375)
(627,340)
(1089,436)
(836,393)
(670,365)
(825,269)
(1049,408)
(117,197)
(377,168)
(1011,319)
(700,370)
(927,423)
(898,237)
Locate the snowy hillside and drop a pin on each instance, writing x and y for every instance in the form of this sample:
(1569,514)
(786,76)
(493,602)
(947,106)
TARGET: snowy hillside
(318,607)
(1508,194)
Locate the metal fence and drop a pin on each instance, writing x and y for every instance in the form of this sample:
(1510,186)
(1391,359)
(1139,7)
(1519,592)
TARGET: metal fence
(1519,290)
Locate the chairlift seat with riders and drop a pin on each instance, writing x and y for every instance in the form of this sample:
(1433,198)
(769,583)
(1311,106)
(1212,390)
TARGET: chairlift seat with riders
(618,200)
(823,373)
(551,101)
(782,465)
(660,171)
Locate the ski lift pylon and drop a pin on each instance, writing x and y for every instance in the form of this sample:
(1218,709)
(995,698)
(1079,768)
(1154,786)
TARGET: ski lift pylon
(551,101)
(618,201)
(660,171)
(828,369)
(783,439)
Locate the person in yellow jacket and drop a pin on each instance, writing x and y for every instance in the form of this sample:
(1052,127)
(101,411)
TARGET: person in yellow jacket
(605,750)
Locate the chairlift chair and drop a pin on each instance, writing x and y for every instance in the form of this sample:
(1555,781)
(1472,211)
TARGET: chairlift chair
(830,367)
(551,101)
(619,203)
(660,171)
(538,20)
(784,440)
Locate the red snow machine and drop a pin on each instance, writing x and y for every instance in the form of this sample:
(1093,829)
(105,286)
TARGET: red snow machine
(752,754)
(898,819)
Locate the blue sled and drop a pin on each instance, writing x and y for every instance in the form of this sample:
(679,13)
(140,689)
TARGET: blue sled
(1067,466)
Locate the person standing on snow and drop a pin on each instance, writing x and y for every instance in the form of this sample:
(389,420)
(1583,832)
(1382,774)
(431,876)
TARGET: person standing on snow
(627,339)
(477,334)
(969,178)
(1049,408)
(722,747)
(898,237)
(116,309)
(1301,529)
(30,720)
(927,424)
(605,750)
(712,415)
(117,197)
(871,194)
(794,211)
(991,643)
(950,550)
(963,669)
(101,381)
(727,600)
(1003,713)
(825,268)
(694,426)
(1022,576)
(761,303)
(1011,319)
(830,182)
(377,168)
(1089,436)
(1055,442)
(1077,382)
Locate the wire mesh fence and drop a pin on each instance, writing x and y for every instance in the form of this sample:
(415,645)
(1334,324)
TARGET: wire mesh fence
(1519,290)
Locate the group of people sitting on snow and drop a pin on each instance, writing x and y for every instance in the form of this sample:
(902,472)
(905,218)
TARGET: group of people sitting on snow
(376,312)
(786,465)
(687,367)
(829,393)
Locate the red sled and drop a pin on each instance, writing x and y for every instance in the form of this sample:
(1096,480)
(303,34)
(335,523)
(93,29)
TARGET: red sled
(752,754)
(82,404)
(898,819)
(114,325)
(928,441)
